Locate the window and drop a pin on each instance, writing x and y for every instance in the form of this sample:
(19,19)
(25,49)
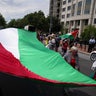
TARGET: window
(86,22)
(95,21)
(63,16)
(67,23)
(71,23)
(58,4)
(88,1)
(68,15)
(79,8)
(87,7)
(73,10)
(62,23)
(78,22)
(64,2)
(57,16)
(63,9)
(69,8)
(69,1)
(58,10)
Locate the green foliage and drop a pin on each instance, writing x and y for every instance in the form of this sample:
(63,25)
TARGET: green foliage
(12,23)
(2,22)
(65,29)
(56,26)
(37,19)
(89,31)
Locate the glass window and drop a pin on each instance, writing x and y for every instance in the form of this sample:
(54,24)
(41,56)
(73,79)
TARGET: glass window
(57,16)
(95,21)
(58,10)
(68,15)
(63,9)
(63,16)
(73,10)
(88,1)
(58,4)
(78,22)
(86,22)
(79,8)
(62,23)
(72,23)
(67,23)
(69,8)
(69,1)
(64,2)
(87,7)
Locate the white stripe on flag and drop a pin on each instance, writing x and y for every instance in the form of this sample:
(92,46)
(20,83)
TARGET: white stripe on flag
(9,40)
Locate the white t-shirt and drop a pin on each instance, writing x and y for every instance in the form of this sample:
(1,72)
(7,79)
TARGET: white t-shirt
(92,41)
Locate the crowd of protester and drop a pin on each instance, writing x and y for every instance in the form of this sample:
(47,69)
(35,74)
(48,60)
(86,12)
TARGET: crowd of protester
(66,47)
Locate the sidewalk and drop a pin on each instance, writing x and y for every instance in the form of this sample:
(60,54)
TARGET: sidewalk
(83,50)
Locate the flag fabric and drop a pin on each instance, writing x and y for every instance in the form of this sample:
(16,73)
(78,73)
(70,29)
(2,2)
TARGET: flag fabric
(72,35)
(22,55)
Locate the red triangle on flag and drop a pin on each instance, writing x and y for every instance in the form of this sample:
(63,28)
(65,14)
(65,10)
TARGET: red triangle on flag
(74,33)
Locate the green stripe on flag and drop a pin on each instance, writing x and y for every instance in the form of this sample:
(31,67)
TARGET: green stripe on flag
(67,36)
(47,63)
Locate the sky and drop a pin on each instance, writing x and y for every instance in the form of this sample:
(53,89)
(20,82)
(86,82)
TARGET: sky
(14,9)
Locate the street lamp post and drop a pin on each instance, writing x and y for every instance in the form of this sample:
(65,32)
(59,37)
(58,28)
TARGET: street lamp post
(50,27)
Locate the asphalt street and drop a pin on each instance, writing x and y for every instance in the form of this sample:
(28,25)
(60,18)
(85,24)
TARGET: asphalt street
(85,68)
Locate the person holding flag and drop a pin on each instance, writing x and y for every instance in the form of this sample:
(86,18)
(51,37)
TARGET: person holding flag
(72,57)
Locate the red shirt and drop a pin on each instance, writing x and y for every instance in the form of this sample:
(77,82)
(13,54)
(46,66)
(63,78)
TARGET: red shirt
(73,62)
(65,45)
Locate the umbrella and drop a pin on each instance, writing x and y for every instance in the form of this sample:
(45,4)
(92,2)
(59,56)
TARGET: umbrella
(70,35)
(23,55)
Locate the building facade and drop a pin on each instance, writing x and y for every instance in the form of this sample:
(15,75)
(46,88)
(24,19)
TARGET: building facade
(55,8)
(77,14)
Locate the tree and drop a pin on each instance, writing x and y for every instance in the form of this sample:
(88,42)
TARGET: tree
(89,31)
(65,29)
(12,23)
(2,22)
(55,24)
(37,19)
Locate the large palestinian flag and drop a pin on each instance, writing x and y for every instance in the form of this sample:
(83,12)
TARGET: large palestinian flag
(22,55)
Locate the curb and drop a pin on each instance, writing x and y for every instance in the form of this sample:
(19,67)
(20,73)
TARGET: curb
(84,52)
